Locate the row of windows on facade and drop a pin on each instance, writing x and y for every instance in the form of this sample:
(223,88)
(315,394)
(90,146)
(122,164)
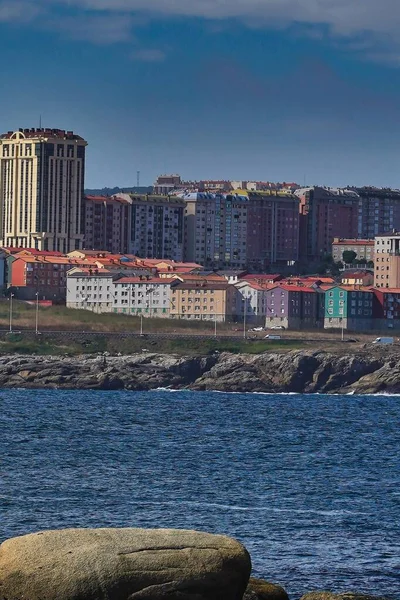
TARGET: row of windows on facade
(353,303)
(9,150)
(353,312)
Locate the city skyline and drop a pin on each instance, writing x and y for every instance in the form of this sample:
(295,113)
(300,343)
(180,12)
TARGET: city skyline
(293,91)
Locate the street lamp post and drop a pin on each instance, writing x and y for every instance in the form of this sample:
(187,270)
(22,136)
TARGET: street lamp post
(342,323)
(244,317)
(37,314)
(11,309)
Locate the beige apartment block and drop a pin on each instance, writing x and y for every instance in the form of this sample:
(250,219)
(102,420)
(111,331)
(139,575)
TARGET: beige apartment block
(41,189)
(387,260)
(202,300)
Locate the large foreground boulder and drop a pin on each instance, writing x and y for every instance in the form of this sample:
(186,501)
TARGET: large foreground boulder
(122,564)
(258,589)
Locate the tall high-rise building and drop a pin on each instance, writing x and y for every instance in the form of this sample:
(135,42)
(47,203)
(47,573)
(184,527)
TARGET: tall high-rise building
(326,213)
(156,225)
(107,224)
(272,229)
(216,229)
(41,189)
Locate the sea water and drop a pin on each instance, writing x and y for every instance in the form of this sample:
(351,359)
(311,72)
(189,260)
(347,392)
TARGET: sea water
(310,484)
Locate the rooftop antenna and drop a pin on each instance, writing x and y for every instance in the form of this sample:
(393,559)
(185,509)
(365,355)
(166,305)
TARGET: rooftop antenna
(40,122)
(138,179)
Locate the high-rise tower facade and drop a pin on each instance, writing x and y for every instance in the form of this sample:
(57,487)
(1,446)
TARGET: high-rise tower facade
(42,189)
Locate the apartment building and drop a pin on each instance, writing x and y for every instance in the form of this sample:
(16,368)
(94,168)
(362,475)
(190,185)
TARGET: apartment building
(364,249)
(272,229)
(41,189)
(387,261)
(165,184)
(250,302)
(203,299)
(216,229)
(103,291)
(325,214)
(349,307)
(42,274)
(90,289)
(156,226)
(357,277)
(107,224)
(146,296)
(386,308)
(294,306)
(378,211)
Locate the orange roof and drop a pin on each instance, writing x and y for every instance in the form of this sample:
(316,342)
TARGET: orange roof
(353,243)
(352,288)
(296,288)
(263,276)
(58,260)
(92,252)
(32,251)
(201,278)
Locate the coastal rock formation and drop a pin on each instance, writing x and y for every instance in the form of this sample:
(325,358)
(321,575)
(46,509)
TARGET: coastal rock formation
(258,589)
(295,371)
(323,595)
(122,564)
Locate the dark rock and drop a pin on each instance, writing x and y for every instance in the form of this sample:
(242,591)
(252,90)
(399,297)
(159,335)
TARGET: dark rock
(123,564)
(258,589)
(296,371)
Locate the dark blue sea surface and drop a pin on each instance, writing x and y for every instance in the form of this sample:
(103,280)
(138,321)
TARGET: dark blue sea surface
(310,484)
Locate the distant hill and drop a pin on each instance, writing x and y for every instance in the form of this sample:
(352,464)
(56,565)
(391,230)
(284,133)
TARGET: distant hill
(117,190)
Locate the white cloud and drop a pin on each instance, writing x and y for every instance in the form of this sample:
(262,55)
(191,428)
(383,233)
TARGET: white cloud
(18,11)
(94,28)
(375,22)
(342,16)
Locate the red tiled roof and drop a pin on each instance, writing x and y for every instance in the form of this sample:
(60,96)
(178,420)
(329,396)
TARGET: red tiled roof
(296,288)
(353,243)
(32,251)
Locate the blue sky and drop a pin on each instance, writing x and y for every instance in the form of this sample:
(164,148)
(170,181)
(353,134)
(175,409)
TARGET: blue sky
(295,90)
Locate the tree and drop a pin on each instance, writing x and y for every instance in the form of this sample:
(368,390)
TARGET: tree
(349,256)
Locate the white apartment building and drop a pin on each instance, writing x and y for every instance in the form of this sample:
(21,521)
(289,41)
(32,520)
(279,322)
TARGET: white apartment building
(102,291)
(150,297)
(156,226)
(251,299)
(216,229)
(41,189)
(90,289)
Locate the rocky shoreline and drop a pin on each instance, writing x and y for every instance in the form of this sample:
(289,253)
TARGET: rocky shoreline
(295,371)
